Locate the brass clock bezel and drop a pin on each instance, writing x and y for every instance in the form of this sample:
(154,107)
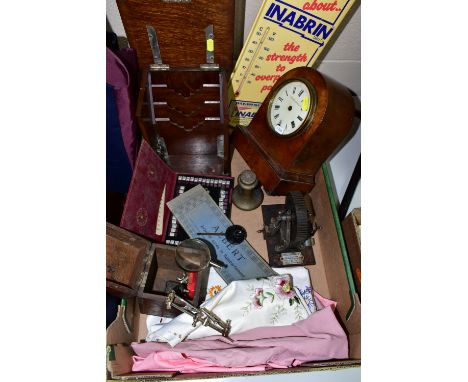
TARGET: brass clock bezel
(307,121)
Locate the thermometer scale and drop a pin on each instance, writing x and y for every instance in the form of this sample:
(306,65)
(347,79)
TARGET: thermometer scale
(285,34)
(249,61)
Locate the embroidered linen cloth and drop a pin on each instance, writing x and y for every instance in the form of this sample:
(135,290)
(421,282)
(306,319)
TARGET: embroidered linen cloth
(154,323)
(249,304)
(300,276)
(301,281)
(318,337)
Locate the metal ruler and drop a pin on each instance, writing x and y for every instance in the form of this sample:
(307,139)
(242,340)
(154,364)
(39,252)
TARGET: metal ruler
(196,212)
(285,34)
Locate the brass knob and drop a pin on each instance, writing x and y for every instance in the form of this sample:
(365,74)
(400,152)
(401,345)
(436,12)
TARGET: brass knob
(247,195)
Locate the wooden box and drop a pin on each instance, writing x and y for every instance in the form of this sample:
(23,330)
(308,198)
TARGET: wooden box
(186,103)
(137,268)
(180,29)
(187,108)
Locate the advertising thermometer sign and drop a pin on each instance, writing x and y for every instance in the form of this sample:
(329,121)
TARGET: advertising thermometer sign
(285,34)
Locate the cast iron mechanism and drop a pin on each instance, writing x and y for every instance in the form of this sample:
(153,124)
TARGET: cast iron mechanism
(204,316)
(289,231)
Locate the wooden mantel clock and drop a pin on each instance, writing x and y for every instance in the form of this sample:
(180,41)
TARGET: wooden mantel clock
(300,124)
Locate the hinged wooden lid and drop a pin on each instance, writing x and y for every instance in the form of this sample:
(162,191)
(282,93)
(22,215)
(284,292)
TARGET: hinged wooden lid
(180,27)
(126,256)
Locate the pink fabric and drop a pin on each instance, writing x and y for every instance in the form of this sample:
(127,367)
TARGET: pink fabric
(322,302)
(318,337)
(173,361)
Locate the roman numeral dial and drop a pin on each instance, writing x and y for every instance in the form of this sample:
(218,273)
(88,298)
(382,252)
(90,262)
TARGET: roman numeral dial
(290,107)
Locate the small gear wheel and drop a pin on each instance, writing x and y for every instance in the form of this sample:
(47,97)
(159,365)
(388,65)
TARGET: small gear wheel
(300,223)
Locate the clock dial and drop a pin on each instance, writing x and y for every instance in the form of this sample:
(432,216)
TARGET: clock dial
(290,107)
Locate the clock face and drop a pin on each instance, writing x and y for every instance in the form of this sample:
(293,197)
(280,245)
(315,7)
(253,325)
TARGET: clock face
(291,107)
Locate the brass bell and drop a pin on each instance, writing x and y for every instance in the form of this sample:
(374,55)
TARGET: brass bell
(247,195)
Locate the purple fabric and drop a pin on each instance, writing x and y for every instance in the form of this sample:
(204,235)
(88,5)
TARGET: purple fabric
(118,76)
(318,337)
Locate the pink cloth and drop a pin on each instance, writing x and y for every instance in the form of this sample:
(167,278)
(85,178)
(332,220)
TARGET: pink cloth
(318,337)
(173,361)
(322,302)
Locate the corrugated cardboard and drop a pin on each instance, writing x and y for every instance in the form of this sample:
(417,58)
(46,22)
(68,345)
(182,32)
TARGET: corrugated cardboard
(352,233)
(328,277)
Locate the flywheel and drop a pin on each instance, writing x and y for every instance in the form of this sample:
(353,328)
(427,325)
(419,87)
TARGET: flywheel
(301,227)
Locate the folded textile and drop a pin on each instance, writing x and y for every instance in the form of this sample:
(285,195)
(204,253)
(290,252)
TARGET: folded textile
(249,304)
(301,281)
(154,323)
(173,361)
(318,337)
(300,276)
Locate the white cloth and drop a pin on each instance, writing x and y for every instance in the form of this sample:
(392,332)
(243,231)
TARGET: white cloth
(249,304)
(301,280)
(154,323)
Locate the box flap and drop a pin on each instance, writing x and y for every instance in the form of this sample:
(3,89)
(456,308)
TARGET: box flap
(353,326)
(121,330)
(119,359)
(352,234)
(339,232)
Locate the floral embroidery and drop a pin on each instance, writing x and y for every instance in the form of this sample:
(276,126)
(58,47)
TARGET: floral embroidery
(271,288)
(278,312)
(246,308)
(283,286)
(258,298)
(306,294)
(214,290)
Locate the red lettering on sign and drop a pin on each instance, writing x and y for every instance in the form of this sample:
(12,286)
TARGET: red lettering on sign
(321,6)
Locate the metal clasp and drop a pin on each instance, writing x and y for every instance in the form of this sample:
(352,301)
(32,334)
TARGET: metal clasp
(209,37)
(153,40)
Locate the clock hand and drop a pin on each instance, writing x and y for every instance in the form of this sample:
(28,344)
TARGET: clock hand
(297,103)
(304,104)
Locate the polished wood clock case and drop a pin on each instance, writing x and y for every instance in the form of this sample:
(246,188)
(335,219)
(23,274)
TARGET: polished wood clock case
(286,163)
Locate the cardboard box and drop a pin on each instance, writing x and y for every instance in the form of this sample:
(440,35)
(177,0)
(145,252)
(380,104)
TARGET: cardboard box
(352,233)
(330,276)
